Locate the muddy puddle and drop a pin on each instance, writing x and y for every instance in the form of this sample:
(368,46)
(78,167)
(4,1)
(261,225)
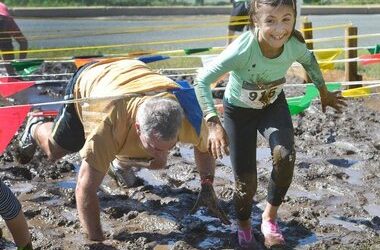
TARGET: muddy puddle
(333,203)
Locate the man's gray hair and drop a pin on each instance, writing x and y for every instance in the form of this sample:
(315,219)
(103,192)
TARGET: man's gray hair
(161,117)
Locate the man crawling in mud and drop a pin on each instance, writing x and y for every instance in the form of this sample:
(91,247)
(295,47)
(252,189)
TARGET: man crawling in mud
(142,121)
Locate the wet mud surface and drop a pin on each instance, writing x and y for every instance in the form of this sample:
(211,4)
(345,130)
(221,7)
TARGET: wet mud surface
(333,203)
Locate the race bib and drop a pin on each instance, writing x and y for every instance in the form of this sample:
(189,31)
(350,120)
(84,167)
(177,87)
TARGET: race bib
(259,96)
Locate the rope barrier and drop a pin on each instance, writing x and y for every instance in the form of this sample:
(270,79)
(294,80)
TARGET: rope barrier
(338,38)
(168,52)
(114,45)
(317,40)
(115,97)
(127,31)
(114,31)
(80,100)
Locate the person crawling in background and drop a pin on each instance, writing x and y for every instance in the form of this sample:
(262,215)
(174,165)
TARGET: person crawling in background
(9,30)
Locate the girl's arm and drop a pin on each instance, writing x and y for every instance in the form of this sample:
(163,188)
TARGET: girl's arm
(327,98)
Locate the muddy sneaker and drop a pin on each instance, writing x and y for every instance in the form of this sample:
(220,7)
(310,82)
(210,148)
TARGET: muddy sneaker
(27,145)
(246,239)
(125,177)
(272,234)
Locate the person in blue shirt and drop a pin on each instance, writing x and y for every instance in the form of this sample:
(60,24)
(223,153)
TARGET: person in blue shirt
(257,62)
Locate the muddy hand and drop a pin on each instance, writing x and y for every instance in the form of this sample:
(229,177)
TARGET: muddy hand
(334,100)
(217,139)
(207,198)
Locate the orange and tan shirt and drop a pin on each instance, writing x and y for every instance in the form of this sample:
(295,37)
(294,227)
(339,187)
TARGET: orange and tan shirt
(109,125)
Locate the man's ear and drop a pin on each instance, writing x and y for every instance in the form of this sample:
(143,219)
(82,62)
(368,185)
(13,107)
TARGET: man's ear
(137,127)
(254,20)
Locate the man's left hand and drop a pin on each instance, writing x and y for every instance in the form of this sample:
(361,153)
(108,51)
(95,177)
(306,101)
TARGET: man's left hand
(207,198)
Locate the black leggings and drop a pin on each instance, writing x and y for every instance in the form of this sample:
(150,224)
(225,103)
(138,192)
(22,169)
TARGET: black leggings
(275,124)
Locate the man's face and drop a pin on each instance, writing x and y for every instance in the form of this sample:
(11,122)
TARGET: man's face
(156,147)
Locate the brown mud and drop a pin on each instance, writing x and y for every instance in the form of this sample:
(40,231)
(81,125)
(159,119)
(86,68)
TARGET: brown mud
(333,203)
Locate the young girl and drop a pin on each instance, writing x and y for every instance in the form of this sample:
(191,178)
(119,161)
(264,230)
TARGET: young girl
(10,211)
(254,100)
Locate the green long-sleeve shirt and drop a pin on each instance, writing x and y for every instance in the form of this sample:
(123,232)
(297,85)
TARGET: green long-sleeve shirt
(255,81)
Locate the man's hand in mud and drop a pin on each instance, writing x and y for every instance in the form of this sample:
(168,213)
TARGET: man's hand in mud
(207,198)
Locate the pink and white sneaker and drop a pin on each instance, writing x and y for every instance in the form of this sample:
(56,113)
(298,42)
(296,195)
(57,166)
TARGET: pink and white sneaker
(246,239)
(272,234)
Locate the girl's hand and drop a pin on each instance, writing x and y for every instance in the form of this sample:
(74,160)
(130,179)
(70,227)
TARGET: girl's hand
(217,139)
(332,99)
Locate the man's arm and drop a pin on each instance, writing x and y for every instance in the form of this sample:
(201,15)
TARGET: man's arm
(207,197)
(89,180)
(205,163)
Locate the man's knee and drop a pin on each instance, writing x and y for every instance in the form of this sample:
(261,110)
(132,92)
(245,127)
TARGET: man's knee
(55,151)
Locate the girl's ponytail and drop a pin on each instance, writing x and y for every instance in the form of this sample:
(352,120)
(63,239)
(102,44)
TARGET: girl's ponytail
(297,34)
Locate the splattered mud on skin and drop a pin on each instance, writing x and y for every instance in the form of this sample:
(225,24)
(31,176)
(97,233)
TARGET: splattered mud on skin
(333,202)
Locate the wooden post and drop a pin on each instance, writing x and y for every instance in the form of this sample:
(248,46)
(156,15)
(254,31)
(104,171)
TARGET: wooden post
(307,34)
(351,68)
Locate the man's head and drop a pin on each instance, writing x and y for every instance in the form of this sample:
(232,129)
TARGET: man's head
(157,123)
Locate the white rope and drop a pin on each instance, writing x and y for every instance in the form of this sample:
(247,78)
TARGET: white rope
(60,74)
(80,100)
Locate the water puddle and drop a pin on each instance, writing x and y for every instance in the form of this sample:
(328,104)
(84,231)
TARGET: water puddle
(22,188)
(151,177)
(373,209)
(343,163)
(296,193)
(335,200)
(55,202)
(210,243)
(201,214)
(225,172)
(333,220)
(69,184)
(308,240)
(355,176)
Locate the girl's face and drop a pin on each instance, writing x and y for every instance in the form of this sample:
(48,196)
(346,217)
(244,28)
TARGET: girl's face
(276,26)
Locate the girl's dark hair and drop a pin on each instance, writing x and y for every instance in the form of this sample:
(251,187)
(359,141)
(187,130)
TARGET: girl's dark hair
(255,4)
